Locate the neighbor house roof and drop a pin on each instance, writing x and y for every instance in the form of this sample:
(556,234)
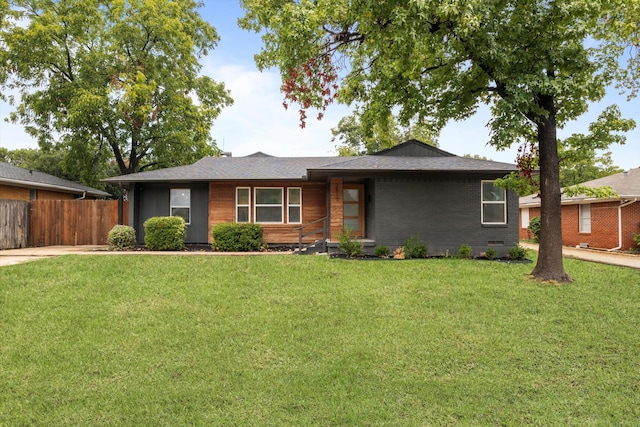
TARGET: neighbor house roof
(29,178)
(264,167)
(626,184)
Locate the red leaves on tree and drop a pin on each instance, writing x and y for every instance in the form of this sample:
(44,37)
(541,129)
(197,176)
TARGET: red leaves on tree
(311,85)
(527,161)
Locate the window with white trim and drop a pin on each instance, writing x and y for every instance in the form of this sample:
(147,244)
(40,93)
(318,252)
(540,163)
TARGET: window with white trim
(294,205)
(525,217)
(243,204)
(585,218)
(494,204)
(180,203)
(268,205)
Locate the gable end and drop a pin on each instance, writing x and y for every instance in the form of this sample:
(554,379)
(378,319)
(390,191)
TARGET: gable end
(414,148)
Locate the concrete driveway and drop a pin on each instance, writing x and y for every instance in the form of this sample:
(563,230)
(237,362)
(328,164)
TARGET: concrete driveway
(604,257)
(17,256)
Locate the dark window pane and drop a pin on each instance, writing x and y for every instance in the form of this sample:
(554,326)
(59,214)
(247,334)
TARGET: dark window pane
(180,197)
(268,214)
(294,214)
(352,224)
(351,209)
(243,196)
(350,195)
(491,193)
(493,213)
(294,196)
(183,212)
(269,196)
(243,214)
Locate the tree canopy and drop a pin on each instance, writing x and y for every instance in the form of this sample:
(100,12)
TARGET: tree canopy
(112,81)
(354,139)
(433,61)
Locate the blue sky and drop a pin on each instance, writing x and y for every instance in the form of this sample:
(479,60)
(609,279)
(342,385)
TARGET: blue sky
(258,122)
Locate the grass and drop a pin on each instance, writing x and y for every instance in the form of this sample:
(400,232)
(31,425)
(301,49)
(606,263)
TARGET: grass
(164,340)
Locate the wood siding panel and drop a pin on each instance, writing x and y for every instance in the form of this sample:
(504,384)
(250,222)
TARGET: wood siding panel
(222,208)
(337,220)
(13,193)
(14,224)
(55,195)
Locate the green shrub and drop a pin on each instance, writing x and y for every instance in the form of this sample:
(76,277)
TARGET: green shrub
(121,237)
(237,237)
(414,248)
(518,253)
(348,245)
(464,251)
(490,253)
(381,251)
(165,233)
(534,228)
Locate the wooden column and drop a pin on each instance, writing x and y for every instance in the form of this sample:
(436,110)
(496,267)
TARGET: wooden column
(335,207)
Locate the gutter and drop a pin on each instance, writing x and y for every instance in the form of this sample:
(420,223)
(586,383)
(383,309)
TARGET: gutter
(40,185)
(622,205)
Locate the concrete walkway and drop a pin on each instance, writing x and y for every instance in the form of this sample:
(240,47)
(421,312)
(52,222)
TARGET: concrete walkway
(604,257)
(18,256)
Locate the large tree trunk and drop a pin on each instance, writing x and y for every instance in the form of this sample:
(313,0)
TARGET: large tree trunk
(549,266)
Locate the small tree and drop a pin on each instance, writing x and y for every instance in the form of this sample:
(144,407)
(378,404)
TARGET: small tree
(534,228)
(348,245)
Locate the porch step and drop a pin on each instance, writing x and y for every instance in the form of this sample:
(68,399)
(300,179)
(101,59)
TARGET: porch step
(368,246)
(312,248)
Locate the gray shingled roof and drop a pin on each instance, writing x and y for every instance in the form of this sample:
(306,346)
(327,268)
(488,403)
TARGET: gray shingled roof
(17,176)
(297,168)
(404,163)
(626,184)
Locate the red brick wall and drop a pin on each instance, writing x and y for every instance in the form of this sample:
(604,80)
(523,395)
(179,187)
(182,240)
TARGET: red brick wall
(604,225)
(524,233)
(630,224)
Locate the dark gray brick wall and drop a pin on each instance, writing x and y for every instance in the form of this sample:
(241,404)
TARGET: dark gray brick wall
(444,211)
(153,200)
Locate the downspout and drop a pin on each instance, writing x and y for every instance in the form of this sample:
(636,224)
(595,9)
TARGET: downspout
(622,205)
(84,194)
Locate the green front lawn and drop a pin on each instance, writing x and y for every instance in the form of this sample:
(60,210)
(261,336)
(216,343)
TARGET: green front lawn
(284,340)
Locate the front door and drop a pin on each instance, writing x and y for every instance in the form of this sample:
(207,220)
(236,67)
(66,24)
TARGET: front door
(353,208)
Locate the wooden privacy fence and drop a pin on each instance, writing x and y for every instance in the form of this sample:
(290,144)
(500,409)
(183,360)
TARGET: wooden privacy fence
(73,222)
(14,224)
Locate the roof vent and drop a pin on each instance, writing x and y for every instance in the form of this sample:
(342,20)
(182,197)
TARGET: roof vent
(226,154)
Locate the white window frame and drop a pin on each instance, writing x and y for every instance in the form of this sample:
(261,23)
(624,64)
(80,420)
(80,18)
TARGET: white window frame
(294,205)
(525,217)
(256,205)
(584,218)
(172,206)
(244,205)
(492,202)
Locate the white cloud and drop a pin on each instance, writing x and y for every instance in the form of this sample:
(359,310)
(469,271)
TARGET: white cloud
(257,121)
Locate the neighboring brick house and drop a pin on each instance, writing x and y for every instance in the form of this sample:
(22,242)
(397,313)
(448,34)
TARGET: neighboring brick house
(25,184)
(598,223)
(412,189)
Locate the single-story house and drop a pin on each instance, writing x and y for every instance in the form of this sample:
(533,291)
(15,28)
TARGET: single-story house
(18,183)
(607,223)
(412,189)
